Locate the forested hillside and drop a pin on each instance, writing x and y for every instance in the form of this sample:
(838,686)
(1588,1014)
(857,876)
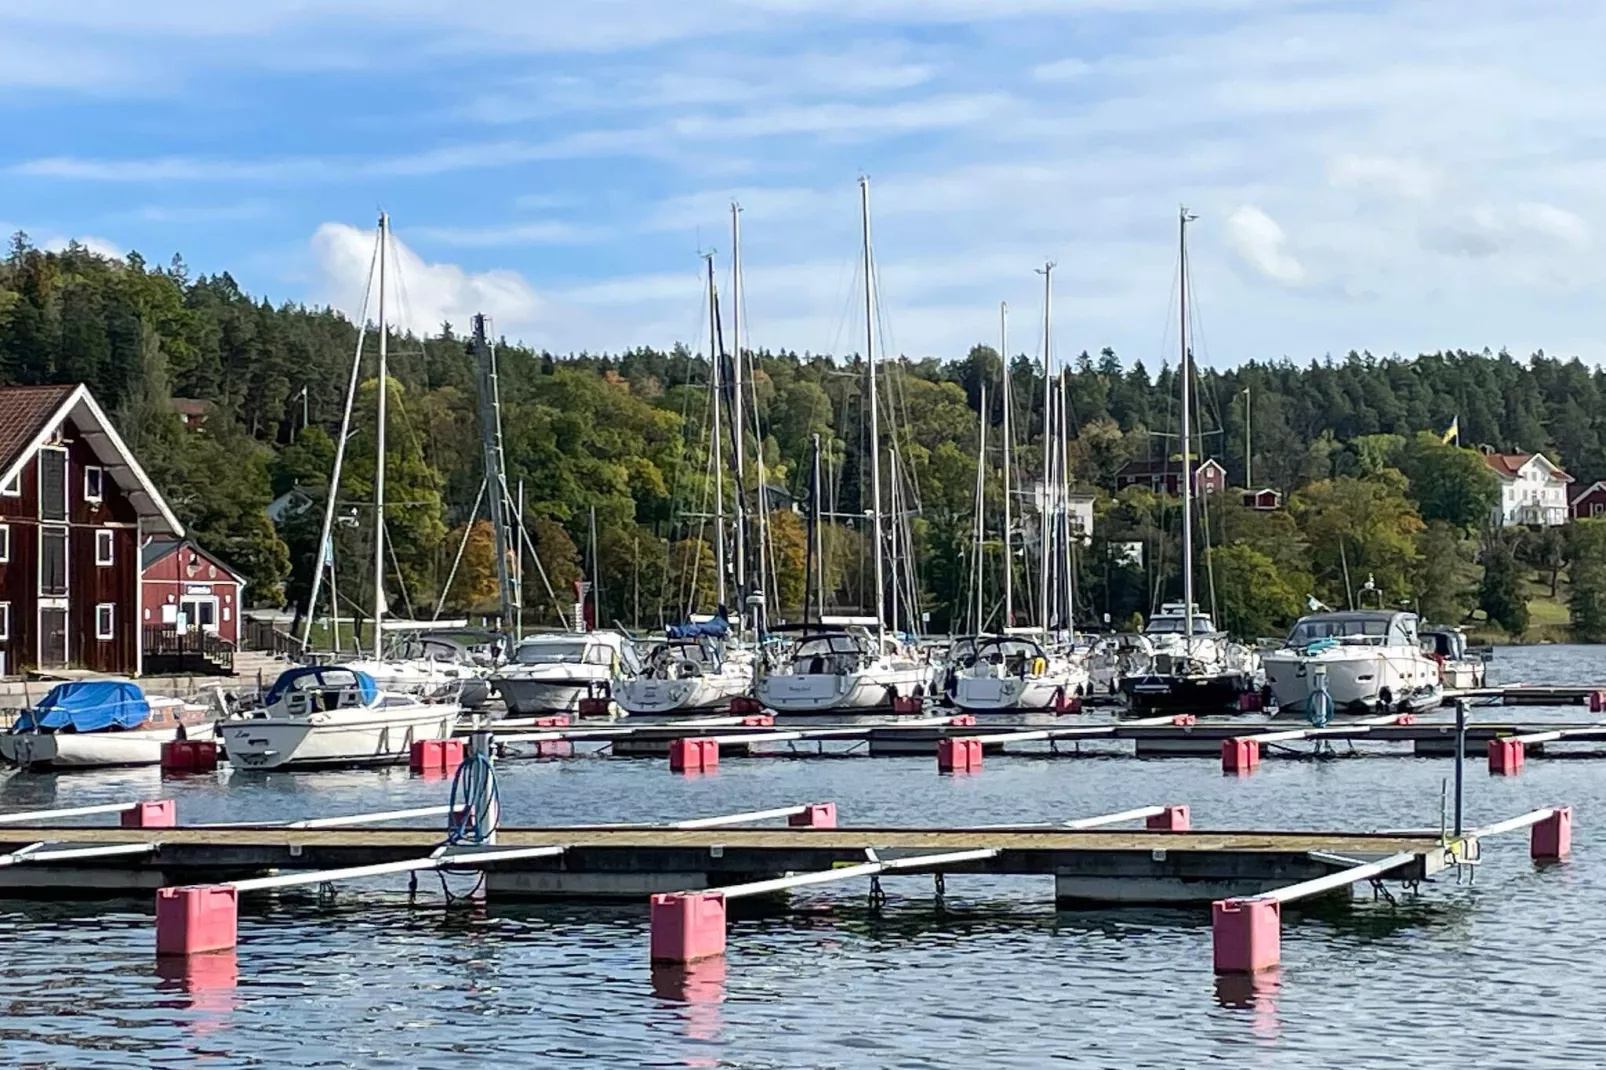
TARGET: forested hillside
(1353,441)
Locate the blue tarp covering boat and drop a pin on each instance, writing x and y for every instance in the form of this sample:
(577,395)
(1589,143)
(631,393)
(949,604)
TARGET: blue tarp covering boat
(87,706)
(717,628)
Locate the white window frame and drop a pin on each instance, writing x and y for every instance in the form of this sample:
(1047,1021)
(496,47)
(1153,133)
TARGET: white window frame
(66,484)
(5,543)
(12,489)
(110,611)
(105,537)
(100,480)
(5,621)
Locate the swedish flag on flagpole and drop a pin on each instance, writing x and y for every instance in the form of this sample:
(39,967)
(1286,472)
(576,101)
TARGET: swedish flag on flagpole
(1453,432)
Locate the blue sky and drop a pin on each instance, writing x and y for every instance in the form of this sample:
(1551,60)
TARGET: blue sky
(1377,174)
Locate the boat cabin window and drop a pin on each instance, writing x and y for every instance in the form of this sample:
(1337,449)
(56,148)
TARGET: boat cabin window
(549,653)
(821,646)
(1174,625)
(1365,629)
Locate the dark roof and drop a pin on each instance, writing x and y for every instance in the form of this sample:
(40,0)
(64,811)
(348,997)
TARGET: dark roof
(24,412)
(1161,467)
(1509,464)
(193,407)
(155,550)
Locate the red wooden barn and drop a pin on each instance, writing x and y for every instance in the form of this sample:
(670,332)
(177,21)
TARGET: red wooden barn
(75,508)
(1590,503)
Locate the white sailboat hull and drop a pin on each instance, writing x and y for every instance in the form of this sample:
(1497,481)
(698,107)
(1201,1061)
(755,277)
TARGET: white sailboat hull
(90,750)
(820,692)
(992,694)
(1358,678)
(377,735)
(547,693)
(696,694)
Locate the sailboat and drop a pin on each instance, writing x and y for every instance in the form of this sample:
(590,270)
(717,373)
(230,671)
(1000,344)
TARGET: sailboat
(1187,664)
(1033,668)
(343,714)
(853,663)
(701,665)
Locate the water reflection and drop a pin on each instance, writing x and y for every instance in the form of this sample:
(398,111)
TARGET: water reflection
(1256,993)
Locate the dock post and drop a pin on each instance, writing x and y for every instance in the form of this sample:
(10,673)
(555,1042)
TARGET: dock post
(815,816)
(1171,819)
(687,926)
(1246,934)
(160,814)
(195,919)
(959,755)
(1460,762)
(1505,756)
(1240,755)
(1552,838)
(692,755)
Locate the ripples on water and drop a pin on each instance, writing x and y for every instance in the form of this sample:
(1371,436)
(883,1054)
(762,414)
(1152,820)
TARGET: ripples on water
(1503,973)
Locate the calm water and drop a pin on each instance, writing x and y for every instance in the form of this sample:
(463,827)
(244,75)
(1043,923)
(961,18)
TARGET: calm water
(1499,973)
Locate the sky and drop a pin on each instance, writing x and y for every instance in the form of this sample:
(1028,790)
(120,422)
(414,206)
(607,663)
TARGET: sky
(1383,175)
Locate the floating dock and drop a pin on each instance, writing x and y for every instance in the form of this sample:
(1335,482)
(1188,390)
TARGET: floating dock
(691,869)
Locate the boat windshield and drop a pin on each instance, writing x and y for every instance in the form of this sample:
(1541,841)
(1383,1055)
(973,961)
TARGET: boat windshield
(821,645)
(558,653)
(1365,630)
(1174,625)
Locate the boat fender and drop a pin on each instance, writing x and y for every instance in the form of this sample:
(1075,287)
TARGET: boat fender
(1039,666)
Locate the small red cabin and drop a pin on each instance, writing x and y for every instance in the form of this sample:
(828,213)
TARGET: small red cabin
(189,590)
(1590,502)
(1166,475)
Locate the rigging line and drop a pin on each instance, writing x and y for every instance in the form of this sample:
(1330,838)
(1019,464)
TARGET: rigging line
(468,529)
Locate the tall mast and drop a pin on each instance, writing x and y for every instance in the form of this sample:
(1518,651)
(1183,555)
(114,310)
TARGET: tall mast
(326,555)
(1046,507)
(737,430)
(1248,453)
(1187,442)
(981,511)
(715,390)
(1009,558)
(875,406)
(495,473)
(596,574)
(379,457)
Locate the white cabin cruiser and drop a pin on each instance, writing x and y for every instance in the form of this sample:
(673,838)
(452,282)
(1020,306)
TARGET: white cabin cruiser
(89,724)
(833,668)
(1372,660)
(1015,673)
(1460,668)
(333,715)
(552,673)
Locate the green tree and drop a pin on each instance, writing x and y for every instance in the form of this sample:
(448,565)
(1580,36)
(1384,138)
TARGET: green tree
(1450,484)
(1358,528)
(1500,592)
(1445,592)
(1586,598)
(1254,596)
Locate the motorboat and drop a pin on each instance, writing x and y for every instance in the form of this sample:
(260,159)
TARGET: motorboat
(333,715)
(686,675)
(849,668)
(1013,672)
(85,724)
(1370,660)
(551,673)
(1183,662)
(1460,668)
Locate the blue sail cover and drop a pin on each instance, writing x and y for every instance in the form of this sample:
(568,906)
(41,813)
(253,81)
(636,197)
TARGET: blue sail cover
(87,706)
(716,628)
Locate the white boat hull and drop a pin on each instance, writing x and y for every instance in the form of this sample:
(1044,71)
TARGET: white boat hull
(378,735)
(92,750)
(822,692)
(695,694)
(993,694)
(523,695)
(1358,678)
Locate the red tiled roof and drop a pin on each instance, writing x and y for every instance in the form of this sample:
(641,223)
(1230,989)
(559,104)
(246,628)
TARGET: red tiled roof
(1508,464)
(24,411)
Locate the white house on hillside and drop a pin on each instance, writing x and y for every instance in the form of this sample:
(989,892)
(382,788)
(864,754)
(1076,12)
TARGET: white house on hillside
(1532,490)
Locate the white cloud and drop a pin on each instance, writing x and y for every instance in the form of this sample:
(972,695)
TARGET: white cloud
(1383,175)
(420,295)
(99,246)
(1068,69)
(1261,243)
